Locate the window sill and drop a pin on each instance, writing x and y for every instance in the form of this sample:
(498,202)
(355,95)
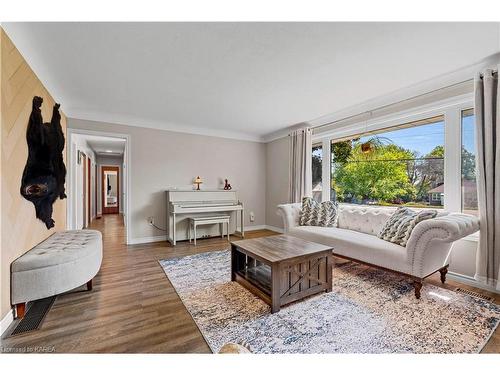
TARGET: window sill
(474,237)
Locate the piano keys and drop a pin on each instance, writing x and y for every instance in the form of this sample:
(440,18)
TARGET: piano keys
(182,204)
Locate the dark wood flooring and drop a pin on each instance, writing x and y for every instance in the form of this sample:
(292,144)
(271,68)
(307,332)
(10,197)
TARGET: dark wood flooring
(133,308)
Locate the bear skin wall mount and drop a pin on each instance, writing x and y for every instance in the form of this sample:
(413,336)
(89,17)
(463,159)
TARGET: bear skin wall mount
(45,173)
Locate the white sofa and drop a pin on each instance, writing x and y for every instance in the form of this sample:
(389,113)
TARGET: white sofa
(355,238)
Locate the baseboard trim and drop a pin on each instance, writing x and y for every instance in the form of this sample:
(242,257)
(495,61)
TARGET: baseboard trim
(6,321)
(262,227)
(469,281)
(141,240)
(250,228)
(275,229)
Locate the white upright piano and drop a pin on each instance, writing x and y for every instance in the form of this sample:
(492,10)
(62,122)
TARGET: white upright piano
(182,204)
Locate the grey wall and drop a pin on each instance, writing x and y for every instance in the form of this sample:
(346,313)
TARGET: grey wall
(109,161)
(277,170)
(162,159)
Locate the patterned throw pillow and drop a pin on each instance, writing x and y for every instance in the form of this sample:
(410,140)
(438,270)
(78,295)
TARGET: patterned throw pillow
(400,225)
(318,214)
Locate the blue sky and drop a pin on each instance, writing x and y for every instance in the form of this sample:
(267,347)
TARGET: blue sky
(468,138)
(426,137)
(420,138)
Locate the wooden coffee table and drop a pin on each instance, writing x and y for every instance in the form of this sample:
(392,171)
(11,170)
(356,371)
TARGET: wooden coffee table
(281,269)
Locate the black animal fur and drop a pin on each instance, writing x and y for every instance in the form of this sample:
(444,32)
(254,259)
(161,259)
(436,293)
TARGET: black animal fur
(45,173)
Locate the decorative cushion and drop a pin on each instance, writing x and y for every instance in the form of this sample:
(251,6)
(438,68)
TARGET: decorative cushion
(400,225)
(321,214)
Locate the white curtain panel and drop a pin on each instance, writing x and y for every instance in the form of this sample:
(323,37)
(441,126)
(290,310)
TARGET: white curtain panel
(486,107)
(300,184)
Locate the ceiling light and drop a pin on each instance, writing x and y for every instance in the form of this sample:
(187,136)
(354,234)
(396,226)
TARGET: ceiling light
(109,151)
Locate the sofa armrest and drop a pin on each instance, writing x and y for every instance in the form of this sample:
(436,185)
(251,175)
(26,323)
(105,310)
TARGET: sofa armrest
(430,242)
(290,213)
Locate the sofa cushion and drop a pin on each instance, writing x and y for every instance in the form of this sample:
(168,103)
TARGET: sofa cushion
(400,225)
(322,214)
(356,245)
(363,219)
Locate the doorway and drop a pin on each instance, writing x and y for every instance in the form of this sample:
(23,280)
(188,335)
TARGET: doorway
(88,197)
(88,176)
(110,189)
(84,189)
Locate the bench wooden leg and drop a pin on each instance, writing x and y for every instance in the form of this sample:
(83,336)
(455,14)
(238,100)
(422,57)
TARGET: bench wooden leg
(417,284)
(89,285)
(20,310)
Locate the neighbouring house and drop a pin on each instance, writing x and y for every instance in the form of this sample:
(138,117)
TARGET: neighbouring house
(436,196)
(317,192)
(469,194)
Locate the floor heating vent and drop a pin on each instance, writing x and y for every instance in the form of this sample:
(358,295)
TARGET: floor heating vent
(474,294)
(34,316)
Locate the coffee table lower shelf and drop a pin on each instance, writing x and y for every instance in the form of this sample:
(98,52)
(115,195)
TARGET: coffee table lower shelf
(256,279)
(283,282)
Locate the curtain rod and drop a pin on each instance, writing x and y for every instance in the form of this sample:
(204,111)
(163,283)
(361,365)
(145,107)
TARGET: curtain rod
(398,102)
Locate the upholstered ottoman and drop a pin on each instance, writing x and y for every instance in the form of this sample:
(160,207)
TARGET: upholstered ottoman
(62,262)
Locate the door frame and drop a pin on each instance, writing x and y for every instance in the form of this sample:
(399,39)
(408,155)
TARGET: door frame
(110,168)
(89,191)
(96,173)
(84,190)
(71,163)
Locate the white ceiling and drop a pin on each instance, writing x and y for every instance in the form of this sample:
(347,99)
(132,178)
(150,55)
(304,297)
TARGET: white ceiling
(105,145)
(243,80)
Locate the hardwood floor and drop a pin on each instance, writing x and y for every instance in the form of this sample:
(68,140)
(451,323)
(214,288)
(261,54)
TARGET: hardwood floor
(133,308)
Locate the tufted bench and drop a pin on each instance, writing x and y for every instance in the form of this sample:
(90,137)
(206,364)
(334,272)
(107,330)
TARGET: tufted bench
(62,262)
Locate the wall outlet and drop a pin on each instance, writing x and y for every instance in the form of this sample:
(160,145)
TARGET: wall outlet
(252,217)
(151,220)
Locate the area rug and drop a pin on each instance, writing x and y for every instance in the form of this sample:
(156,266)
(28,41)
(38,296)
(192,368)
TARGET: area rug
(368,311)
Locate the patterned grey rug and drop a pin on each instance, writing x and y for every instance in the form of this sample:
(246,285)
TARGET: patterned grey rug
(369,311)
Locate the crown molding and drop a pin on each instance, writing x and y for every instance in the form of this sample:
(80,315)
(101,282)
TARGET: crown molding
(118,119)
(420,88)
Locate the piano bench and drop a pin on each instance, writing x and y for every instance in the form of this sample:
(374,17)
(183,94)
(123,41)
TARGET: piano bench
(196,221)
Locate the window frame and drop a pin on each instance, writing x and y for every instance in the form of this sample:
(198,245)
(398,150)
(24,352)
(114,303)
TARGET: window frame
(461,144)
(314,145)
(451,110)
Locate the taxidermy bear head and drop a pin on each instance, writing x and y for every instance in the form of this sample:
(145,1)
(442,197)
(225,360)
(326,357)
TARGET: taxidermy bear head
(45,173)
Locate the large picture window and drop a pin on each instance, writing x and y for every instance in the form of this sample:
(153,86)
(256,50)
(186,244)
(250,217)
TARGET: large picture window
(402,165)
(468,162)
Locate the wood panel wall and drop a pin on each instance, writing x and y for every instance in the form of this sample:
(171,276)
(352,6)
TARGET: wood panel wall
(20,229)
